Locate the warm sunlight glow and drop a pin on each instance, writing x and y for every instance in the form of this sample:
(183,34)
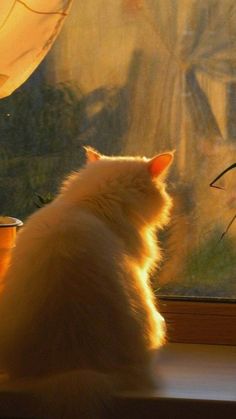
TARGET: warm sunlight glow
(157,330)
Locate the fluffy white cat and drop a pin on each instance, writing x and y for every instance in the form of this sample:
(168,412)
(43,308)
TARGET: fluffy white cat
(78,318)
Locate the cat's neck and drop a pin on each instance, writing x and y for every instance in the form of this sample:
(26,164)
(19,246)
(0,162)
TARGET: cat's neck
(138,238)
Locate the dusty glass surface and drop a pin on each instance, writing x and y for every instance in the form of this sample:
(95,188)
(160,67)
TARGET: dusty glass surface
(138,77)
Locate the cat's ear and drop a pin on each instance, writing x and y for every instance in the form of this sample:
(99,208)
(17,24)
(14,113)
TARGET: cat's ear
(91,154)
(158,164)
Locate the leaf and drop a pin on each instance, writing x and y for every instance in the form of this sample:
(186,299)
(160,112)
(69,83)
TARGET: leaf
(221,174)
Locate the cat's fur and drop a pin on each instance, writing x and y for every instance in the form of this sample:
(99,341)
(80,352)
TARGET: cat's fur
(77,315)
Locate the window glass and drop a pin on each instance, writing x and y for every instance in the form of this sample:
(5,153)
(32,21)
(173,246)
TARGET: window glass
(138,77)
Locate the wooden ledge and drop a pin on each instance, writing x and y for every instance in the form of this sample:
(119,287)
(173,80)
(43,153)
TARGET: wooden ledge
(195,381)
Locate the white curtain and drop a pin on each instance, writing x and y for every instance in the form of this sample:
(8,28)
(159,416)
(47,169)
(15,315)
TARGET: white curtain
(192,60)
(27,31)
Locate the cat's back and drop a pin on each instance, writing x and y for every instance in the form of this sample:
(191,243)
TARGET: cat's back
(63,275)
(59,232)
(63,253)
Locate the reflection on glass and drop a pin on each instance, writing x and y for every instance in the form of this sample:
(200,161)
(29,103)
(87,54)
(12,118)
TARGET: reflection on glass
(138,77)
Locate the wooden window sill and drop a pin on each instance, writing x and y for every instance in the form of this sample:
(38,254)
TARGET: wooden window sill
(196,381)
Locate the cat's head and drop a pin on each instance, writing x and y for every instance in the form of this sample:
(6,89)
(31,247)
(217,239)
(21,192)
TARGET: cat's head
(134,184)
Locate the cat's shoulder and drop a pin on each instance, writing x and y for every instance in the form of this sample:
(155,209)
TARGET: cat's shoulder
(56,223)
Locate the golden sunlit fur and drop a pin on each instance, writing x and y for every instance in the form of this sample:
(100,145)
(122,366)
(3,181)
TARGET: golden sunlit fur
(77,314)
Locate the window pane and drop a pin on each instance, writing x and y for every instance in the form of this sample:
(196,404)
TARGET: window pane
(138,77)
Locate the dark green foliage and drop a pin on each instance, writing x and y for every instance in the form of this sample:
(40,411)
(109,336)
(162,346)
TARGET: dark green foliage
(38,129)
(209,271)
(40,120)
(42,130)
(40,200)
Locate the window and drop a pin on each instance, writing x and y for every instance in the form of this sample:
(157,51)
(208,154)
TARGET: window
(138,77)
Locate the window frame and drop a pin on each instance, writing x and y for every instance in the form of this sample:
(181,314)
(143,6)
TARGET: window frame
(203,321)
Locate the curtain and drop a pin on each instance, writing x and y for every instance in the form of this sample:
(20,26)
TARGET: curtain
(190,52)
(27,32)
